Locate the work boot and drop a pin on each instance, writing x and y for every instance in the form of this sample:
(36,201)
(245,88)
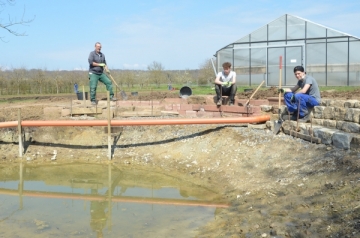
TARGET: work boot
(219,102)
(93,103)
(231,103)
(291,117)
(113,99)
(305,119)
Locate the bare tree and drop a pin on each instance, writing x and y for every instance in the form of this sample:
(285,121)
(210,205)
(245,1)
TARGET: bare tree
(10,23)
(17,76)
(206,74)
(157,75)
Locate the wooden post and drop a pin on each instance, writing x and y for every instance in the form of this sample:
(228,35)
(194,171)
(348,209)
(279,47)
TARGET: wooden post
(71,108)
(84,99)
(21,147)
(109,125)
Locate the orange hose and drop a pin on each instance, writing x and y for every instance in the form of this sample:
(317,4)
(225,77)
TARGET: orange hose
(151,122)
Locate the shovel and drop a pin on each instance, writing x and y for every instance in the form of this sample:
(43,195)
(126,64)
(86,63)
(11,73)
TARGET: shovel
(122,93)
(252,95)
(278,123)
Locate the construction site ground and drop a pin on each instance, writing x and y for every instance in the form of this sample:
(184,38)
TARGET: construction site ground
(277,185)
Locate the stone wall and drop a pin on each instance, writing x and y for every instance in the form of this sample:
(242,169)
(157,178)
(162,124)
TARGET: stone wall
(335,122)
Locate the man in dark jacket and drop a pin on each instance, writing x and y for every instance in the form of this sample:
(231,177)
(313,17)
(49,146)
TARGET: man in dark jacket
(97,64)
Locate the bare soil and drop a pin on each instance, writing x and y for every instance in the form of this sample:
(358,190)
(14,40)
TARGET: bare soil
(278,186)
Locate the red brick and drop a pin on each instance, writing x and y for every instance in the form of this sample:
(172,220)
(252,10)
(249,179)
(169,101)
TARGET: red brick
(190,113)
(211,108)
(176,107)
(168,107)
(182,112)
(204,114)
(173,100)
(197,107)
(186,107)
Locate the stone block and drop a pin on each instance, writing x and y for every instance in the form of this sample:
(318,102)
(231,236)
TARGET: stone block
(257,126)
(352,114)
(318,122)
(355,142)
(325,134)
(350,103)
(325,102)
(329,123)
(318,112)
(357,104)
(342,140)
(266,108)
(339,113)
(336,103)
(204,114)
(348,126)
(328,113)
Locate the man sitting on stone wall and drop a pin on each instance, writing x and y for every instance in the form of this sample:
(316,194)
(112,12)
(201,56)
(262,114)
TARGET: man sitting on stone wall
(303,100)
(225,84)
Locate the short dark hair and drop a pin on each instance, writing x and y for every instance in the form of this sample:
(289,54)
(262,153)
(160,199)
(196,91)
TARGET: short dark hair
(226,65)
(299,68)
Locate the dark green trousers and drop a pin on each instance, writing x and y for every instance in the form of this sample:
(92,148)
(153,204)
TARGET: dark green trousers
(94,79)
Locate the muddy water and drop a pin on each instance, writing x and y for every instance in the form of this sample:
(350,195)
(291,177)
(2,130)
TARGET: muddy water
(94,200)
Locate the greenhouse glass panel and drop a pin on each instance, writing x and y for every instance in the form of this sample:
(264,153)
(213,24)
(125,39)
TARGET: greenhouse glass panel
(292,58)
(354,66)
(316,61)
(340,39)
(258,65)
(332,33)
(337,62)
(225,55)
(273,73)
(241,66)
(315,31)
(259,35)
(244,39)
(295,28)
(277,29)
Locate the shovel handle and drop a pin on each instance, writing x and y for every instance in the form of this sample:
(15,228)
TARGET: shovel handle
(254,92)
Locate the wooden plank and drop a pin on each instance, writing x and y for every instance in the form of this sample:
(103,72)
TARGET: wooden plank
(86,110)
(309,138)
(170,112)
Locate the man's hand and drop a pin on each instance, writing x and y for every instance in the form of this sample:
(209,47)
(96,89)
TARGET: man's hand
(101,64)
(226,84)
(281,90)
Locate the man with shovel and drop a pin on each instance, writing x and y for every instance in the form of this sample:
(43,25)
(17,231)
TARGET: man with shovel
(225,84)
(97,64)
(304,100)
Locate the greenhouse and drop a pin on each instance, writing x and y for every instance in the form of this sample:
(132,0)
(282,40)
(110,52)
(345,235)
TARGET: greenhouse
(330,56)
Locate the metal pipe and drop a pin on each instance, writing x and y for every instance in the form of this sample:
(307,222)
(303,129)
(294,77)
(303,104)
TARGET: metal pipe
(152,122)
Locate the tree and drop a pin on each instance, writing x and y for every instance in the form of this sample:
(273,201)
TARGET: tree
(206,74)
(11,22)
(157,75)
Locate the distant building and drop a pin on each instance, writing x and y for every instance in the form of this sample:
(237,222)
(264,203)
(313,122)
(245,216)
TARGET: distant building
(331,57)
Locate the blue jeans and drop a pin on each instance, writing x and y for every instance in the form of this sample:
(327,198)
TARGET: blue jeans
(306,102)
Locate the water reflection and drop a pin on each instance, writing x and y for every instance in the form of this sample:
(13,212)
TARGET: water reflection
(53,200)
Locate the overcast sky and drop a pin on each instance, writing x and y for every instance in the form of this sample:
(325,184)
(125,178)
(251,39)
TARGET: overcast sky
(178,34)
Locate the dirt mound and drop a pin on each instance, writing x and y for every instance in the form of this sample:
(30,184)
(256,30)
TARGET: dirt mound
(260,94)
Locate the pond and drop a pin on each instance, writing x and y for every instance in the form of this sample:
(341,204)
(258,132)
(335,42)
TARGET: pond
(96,200)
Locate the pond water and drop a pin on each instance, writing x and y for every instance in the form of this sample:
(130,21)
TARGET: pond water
(94,200)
